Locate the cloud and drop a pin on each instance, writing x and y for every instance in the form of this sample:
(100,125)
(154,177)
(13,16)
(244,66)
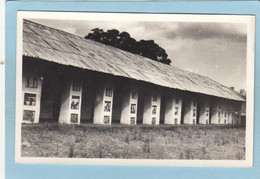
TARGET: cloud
(169,30)
(221,60)
(199,31)
(216,50)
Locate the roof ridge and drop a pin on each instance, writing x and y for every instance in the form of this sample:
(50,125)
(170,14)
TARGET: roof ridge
(48,27)
(51,28)
(166,72)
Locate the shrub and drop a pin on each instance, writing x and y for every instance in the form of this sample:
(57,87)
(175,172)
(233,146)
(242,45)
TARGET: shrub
(119,141)
(146,146)
(239,156)
(71,151)
(127,139)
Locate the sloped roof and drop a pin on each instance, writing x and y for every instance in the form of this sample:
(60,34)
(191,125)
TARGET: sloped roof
(57,46)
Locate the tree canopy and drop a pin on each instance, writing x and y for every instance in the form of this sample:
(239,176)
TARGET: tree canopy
(123,40)
(242,92)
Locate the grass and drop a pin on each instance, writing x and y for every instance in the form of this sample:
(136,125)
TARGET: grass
(133,142)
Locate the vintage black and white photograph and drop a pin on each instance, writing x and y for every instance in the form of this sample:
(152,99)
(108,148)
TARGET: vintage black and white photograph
(135,89)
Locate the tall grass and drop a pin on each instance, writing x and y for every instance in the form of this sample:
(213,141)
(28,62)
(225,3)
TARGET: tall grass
(121,141)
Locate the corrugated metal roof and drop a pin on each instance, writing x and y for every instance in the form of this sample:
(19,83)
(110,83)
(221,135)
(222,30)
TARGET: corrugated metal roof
(57,46)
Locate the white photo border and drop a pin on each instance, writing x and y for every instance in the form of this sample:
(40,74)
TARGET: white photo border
(249,20)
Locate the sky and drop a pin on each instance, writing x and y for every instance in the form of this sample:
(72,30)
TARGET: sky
(216,50)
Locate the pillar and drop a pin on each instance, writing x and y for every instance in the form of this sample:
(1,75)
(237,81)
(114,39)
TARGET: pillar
(217,113)
(173,108)
(190,112)
(237,113)
(238,118)
(71,98)
(204,112)
(103,104)
(225,114)
(31,99)
(152,105)
(129,107)
(229,117)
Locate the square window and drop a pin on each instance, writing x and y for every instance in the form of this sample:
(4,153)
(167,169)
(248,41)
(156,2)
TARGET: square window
(31,82)
(134,95)
(154,107)
(28,115)
(176,110)
(109,92)
(218,114)
(194,103)
(106,119)
(132,120)
(28,80)
(75,102)
(29,99)
(175,121)
(107,107)
(74,118)
(76,86)
(133,108)
(154,97)
(35,83)
(154,120)
(207,112)
(194,112)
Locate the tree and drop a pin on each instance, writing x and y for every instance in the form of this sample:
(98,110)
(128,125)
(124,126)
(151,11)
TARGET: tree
(123,40)
(242,92)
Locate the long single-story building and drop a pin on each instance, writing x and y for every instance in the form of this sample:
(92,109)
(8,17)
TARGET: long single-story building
(70,79)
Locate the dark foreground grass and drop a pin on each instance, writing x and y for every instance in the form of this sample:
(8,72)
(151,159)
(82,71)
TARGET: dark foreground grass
(133,142)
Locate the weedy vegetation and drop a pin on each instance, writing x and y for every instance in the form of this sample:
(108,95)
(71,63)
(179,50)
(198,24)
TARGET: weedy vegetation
(211,142)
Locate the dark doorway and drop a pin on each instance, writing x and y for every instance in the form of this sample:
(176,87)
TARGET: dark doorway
(87,103)
(117,102)
(198,112)
(140,107)
(183,111)
(162,111)
(51,98)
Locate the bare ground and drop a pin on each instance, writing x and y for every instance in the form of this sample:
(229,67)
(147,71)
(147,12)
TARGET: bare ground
(133,142)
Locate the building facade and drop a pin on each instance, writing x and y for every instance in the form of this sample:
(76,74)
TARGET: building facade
(71,80)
